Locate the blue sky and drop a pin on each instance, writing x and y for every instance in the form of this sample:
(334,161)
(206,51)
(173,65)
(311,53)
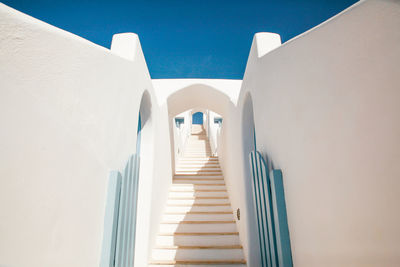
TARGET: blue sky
(185,39)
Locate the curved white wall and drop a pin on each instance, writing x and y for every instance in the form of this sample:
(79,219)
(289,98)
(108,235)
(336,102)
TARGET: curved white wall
(326,108)
(68,110)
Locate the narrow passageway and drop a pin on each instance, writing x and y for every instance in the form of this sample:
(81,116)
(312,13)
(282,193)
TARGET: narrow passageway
(198,226)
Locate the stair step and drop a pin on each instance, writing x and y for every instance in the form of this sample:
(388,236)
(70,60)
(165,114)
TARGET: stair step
(197,173)
(199,176)
(201,212)
(197,155)
(197,169)
(192,187)
(196,265)
(198,234)
(179,227)
(195,194)
(200,247)
(198,194)
(195,198)
(200,171)
(197,254)
(200,159)
(197,240)
(198,152)
(198,217)
(203,208)
(199,181)
(191,190)
(197,204)
(204,164)
(198,201)
(201,152)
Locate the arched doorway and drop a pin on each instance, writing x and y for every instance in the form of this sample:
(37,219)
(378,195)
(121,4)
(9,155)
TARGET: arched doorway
(248,145)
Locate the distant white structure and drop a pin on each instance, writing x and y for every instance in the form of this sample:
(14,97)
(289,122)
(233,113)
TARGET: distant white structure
(323,107)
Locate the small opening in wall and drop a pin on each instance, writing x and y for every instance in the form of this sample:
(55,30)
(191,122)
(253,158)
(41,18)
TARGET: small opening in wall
(179,121)
(218,120)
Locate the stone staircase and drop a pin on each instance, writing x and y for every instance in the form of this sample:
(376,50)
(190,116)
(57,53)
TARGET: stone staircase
(198,228)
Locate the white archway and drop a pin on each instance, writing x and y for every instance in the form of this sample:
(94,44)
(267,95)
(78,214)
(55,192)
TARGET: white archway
(195,97)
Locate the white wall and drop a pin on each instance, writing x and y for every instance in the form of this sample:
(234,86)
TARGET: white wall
(326,108)
(68,110)
(180,135)
(213,131)
(153,194)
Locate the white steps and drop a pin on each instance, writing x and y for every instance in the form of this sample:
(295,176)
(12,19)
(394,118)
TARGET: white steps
(178,227)
(199,240)
(205,193)
(197,188)
(198,226)
(197,208)
(200,181)
(213,253)
(193,264)
(198,217)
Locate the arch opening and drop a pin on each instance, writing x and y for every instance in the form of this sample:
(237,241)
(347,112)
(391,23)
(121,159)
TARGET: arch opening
(194,121)
(248,145)
(194,98)
(145,154)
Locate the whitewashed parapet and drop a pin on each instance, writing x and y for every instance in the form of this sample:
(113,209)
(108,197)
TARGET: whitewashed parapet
(125,45)
(266,42)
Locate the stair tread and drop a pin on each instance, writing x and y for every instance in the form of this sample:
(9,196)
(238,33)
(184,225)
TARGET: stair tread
(172,262)
(198,204)
(199,178)
(200,185)
(199,212)
(194,198)
(197,222)
(199,233)
(201,247)
(185,190)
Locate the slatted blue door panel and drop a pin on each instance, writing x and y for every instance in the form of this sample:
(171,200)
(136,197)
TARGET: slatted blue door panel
(124,211)
(126,227)
(111,220)
(280,219)
(271,213)
(262,199)
(265,257)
